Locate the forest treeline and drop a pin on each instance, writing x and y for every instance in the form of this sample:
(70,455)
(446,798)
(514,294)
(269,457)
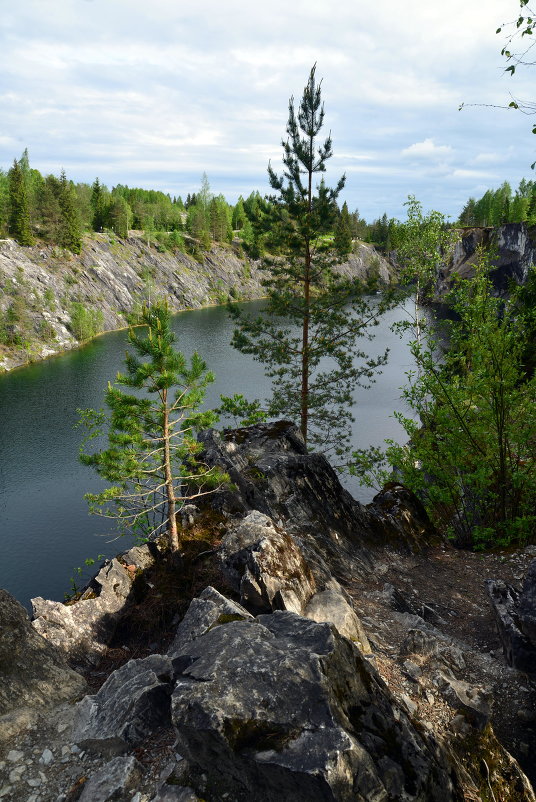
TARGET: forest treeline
(56,210)
(499,206)
(59,211)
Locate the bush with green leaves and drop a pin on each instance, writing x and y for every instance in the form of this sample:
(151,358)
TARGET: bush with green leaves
(471,457)
(85,323)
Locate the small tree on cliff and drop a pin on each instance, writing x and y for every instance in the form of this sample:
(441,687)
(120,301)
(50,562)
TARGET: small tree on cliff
(313,317)
(151,453)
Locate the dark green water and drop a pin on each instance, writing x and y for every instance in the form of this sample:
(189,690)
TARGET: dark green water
(45,530)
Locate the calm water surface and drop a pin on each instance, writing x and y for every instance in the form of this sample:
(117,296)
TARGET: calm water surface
(45,529)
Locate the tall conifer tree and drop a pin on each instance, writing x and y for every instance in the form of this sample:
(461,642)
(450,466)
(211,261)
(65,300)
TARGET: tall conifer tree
(343,233)
(19,213)
(313,317)
(69,234)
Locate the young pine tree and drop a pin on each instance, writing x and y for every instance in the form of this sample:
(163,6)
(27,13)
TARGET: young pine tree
(151,453)
(313,317)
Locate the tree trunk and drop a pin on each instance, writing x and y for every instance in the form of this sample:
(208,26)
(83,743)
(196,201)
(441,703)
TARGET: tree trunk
(170,490)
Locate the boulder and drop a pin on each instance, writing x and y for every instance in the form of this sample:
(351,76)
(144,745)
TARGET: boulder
(116,781)
(437,647)
(34,673)
(331,606)
(132,703)
(265,565)
(286,708)
(518,650)
(473,702)
(82,629)
(207,610)
(527,605)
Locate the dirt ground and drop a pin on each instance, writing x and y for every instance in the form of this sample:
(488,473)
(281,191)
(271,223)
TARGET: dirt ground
(446,587)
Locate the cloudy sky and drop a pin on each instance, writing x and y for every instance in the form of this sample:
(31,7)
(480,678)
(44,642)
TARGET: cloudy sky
(153,93)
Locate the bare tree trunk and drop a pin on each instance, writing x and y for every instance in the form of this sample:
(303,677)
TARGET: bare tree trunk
(305,348)
(170,490)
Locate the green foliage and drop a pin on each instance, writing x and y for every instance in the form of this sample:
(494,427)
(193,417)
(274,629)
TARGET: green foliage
(472,450)
(19,213)
(501,206)
(85,323)
(342,241)
(69,228)
(99,206)
(242,411)
(4,203)
(151,458)
(307,334)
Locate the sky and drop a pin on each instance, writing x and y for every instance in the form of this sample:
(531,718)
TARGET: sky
(153,93)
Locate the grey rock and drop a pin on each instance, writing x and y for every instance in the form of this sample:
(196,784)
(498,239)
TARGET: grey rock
(287,705)
(132,703)
(208,609)
(266,566)
(473,702)
(83,629)
(518,650)
(176,793)
(141,556)
(428,645)
(46,758)
(514,252)
(527,604)
(412,669)
(114,782)
(420,642)
(14,756)
(331,606)
(35,674)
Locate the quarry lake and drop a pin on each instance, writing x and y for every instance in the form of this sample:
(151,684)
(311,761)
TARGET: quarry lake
(45,528)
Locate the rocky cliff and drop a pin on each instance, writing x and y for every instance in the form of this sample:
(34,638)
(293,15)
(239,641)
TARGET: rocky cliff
(302,648)
(51,299)
(512,248)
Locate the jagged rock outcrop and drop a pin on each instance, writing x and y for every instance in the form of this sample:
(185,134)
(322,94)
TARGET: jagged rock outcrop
(274,474)
(34,675)
(283,708)
(515,253)
(297,677)
(83,629)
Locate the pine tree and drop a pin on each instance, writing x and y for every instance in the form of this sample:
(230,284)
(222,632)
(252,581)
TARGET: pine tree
(342,241)
(119,215)
(239,214)
(19,214)
(151,453)
(307,334)
(69,233)
(99,206)
(49,211)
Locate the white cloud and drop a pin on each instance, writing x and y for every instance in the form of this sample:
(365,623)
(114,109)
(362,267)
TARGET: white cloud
(463,173)
(489,158)
(427,149)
